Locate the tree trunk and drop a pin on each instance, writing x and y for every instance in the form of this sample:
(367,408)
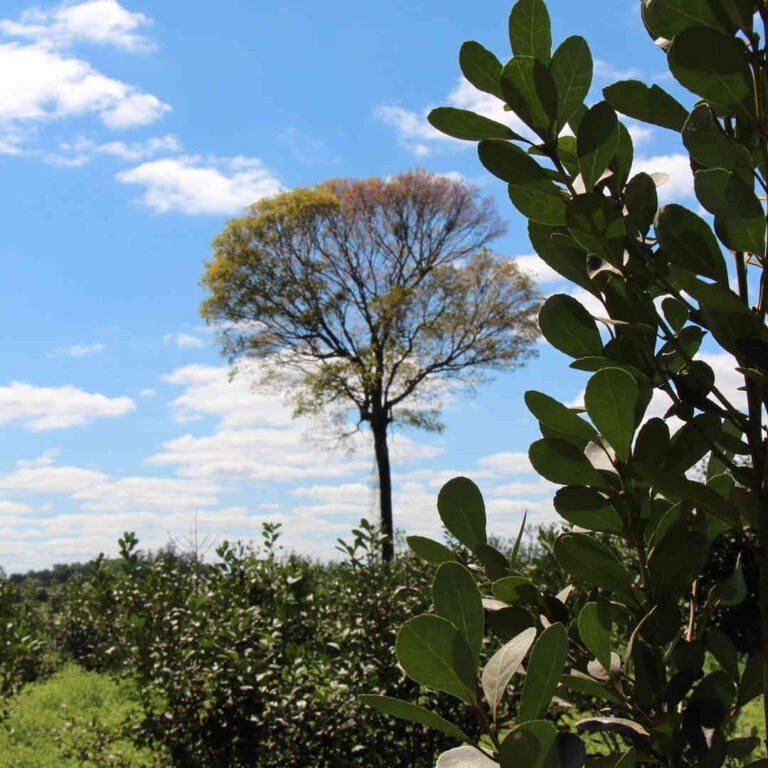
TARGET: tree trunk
(379,429)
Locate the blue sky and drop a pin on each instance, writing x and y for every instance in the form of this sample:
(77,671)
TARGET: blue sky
(128,134)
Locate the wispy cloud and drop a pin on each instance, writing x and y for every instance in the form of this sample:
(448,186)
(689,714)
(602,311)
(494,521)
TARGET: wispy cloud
(416,134)
(80,152)
(182,341)
(76,350)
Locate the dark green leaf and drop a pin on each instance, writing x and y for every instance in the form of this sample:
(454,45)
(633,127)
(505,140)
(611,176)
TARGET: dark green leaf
(530,32)
(413,713)
(691,443)
(641,201)
(709,145)
(677,559)
(530,91)
(457,599)
(429,550)
(741,748)
(675,312)
(586,508)
(529,745)
(687,241)
(543,672)
(589,687)
(596,142)
(724,80)
(739,215)
(493,562)
(628,759)
(611,724)
(721,647)
(621,165)
(649,105)
(560,418)
(462,124)
(571,70)
(652,442)
(596,224)
(503,665)
(670,17)
(564,464)
(516,590)
(434,653)
(462,511)
(595,631)
(731,590)
(560,252)
(696,494)
(509,622)
(567,326)
(530,189)
(481,68)
(591,562)
(571,749)
(610,398)
(751,683)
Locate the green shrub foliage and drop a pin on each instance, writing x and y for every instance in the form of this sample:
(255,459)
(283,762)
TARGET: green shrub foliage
(637,644)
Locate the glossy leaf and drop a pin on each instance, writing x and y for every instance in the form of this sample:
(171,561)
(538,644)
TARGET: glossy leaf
(434,653)
(529,745)
(611,397)
(503,665)
(724,80)
(591,562)
(462,511)
(709,145)
(530,32)
(571,70)
(641,201)
(594,222)
(560,418)
(563,463)
(567,326)
(677,559)
(530,91)
(457,599)
(531,191)
(670,17)
(586,508)
(543,672)
(481,68)
(596,142)
(560,252)
(595,631)
(463,124)
(405,710)
(687,241)
(516,590)
(647,104)
(739,216)
(429,550)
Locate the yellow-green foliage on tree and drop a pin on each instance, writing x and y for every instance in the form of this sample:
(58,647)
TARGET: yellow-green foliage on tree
(372,297)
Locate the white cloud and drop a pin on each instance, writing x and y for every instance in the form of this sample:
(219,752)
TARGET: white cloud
(607,71)
(104,22)
(44,460)
(194,186)
(677,166)
(182,340)
(42,408)
(507,463)
(76,350)
(416,134)
(147,392)
(537,269)
(52,479)
(77,153)
(49,85)
(640,134)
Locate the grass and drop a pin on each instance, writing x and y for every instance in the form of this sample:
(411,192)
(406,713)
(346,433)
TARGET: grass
(73,720)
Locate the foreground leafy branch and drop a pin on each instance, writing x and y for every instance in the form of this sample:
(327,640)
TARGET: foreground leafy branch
(633,645)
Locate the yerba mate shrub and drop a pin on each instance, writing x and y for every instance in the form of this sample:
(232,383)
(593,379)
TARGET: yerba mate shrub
(633,645)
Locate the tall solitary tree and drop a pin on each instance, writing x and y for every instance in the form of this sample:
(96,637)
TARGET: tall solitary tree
(371,297)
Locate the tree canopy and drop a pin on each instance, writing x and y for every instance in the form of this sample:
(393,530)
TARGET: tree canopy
(371,296)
